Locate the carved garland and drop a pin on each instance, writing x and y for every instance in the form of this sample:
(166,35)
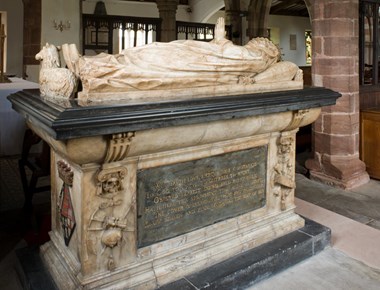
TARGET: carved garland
(284,170)
(107,228)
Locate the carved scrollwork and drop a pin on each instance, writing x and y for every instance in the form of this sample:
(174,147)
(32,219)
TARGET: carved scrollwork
(118,146)
(283,176)
(297,119)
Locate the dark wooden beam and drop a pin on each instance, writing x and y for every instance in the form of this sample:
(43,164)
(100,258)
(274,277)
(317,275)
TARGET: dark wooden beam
(290,7)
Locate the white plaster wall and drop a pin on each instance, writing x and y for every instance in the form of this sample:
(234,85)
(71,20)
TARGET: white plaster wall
(14,40)
(213,18)
(291,25)
(60,10)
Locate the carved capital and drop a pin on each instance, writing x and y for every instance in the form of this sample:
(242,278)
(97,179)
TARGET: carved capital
(118,146)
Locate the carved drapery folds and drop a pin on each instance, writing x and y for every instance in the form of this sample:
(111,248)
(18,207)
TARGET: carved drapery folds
(283,176)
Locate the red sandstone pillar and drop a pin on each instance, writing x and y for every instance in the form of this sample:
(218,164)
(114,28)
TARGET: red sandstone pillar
(335,66)
(168,10)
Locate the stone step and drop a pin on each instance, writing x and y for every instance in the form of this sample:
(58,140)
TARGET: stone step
(239,272)
(260,263)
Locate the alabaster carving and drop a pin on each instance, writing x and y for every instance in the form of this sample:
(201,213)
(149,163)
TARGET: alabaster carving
(55,82)
(284,170)
(106,230)
(65,172)
(166,69)
(119,146)
(64,204)
(110,182)
(104,251)
(298,117)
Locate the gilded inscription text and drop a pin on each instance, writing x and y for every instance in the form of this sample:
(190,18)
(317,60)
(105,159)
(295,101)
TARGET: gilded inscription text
(179,198)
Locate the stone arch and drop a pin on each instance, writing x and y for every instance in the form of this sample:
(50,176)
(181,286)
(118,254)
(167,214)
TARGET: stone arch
(258,13)
(204,9)
(308,6)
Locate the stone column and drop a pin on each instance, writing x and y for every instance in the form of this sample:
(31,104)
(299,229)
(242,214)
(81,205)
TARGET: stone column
(335,66)
(258,13)
(167,10)
(232,15)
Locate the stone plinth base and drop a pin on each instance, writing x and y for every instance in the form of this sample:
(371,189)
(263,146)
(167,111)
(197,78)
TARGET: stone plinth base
(241,271)
(260,263)
(344,184)
(345,173)
(153,273)
(143,195)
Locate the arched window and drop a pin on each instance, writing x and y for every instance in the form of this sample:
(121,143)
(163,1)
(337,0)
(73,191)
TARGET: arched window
(369,37)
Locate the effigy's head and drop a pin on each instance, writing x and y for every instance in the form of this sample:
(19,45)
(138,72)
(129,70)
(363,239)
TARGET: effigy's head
(266,46)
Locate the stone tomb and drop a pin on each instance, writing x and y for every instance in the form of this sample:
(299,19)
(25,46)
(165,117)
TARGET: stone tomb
(144,194)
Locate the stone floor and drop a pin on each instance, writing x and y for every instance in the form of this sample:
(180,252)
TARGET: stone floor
(361,204)
(352,262)
(330,269)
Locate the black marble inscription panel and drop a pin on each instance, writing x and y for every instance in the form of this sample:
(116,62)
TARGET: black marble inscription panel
(179,198)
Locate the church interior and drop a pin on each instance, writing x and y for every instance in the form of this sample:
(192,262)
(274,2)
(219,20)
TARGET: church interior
(337,167)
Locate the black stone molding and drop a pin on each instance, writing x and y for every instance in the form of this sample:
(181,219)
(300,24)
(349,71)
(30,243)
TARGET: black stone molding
(67,120)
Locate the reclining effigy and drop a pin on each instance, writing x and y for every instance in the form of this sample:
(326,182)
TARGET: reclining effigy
(183,68)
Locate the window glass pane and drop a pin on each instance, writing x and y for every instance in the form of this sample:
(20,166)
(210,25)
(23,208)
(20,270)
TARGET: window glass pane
(368,22)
